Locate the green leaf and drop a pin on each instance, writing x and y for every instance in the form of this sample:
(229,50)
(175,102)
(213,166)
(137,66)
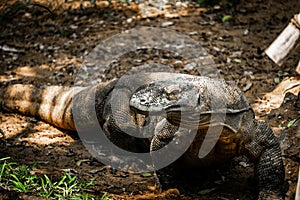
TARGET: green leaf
(227,18)
(237,60)
(5,158)
(282,127)
(105,196)
(291,123)
(276,80)
(78,163)
(146,174)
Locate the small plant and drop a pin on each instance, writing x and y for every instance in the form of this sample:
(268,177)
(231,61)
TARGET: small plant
(21,179)
(291,123)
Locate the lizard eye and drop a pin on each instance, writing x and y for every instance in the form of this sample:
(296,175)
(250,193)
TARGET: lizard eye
(143,87)
(172,89)
(172,92)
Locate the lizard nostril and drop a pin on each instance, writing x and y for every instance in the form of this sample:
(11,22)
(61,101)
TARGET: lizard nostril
(143,101)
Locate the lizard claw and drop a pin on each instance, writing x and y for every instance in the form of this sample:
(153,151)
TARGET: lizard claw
(157,186)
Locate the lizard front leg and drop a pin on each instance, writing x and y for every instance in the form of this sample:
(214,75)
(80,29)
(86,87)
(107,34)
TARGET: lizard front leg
(265,150)
(164,133)
(168,144)
(120,123)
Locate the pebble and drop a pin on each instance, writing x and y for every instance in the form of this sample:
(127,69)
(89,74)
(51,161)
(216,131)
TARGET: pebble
(102,4)
(246,32)
(168,23)
(248,73)
(41,47)
(189,66)
(237,53)
(94,171)
(180,5)
(73,26)
(244,164)
(216,49)
(247,87)
(193,33)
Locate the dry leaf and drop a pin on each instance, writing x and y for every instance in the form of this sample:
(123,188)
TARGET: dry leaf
(274,99)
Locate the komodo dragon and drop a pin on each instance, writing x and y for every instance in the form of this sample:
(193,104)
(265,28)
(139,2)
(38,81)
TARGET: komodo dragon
(224,120)
(53,104)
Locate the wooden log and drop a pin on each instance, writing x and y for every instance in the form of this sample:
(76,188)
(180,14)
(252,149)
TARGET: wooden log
(286,42)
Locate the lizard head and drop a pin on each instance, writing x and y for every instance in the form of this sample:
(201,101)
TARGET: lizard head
(177,101)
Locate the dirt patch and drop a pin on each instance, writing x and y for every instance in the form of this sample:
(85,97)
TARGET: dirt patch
(41,49)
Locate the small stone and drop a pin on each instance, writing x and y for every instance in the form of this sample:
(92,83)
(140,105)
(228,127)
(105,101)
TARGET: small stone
(193,33)
(189,66)
(165,24)
(178,63)
(178,4)
(237,53)
(244,164)
(248,73)
(94,171)
(216,49)
(246,32)
(27,15)
(217,7)
(129,20)
(102,4)
(247,87)
(73,26)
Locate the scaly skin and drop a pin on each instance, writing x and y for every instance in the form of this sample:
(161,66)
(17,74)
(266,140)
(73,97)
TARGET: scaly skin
(197,103)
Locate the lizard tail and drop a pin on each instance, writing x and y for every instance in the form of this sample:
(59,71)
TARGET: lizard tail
(52,104)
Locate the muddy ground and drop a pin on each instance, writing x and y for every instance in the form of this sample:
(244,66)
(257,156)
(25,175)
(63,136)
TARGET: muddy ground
(43,49)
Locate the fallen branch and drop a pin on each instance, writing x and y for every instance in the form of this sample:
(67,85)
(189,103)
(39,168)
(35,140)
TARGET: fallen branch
(286,42)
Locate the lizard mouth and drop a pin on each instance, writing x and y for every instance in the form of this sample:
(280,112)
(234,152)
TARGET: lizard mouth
(187,118)
(143,112)
(147,112)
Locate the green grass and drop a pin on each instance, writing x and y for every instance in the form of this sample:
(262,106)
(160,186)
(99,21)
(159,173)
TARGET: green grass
(20,178)
(291,123)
